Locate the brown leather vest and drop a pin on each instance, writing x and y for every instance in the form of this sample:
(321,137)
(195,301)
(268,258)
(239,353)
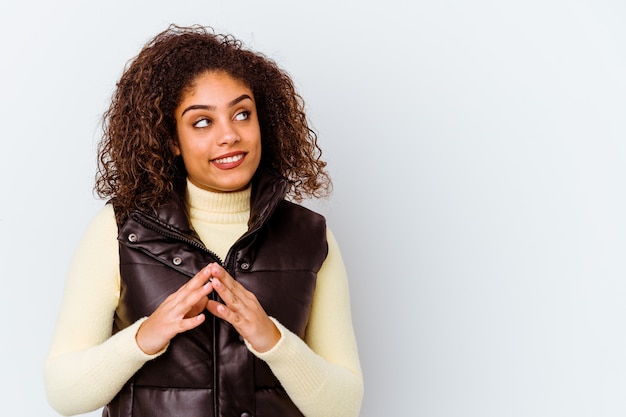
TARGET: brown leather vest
(208,371)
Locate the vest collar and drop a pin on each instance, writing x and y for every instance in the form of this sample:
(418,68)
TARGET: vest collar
(268,189)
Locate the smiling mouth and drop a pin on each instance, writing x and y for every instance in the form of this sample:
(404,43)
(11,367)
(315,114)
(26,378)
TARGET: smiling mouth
(229,159)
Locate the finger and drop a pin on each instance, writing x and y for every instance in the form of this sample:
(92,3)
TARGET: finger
(200,279)
(197,308)
(217,271)
(223,312)
(226,282)
(254,326)
(195,302)
(234,297)
(190,323)
(190,299)
(185,298)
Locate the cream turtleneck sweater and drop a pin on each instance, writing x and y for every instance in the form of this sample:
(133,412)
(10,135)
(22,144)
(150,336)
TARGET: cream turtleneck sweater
(87,366)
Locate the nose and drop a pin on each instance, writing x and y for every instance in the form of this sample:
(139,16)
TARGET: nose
(228,135)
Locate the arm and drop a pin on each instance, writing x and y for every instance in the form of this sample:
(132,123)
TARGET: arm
(86,367)
(322,376)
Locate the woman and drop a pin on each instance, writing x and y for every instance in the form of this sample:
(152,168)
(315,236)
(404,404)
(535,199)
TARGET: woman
(200,289)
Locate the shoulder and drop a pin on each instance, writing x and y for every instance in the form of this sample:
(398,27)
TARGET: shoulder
(290,210)
(99,240)
(103,222)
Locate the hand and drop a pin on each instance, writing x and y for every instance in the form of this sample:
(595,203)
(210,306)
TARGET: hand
(242,309)
(179,312)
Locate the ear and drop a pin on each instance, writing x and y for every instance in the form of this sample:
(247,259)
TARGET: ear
(176,149)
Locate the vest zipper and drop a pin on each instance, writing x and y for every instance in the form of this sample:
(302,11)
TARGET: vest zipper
(176,236)
(164,231)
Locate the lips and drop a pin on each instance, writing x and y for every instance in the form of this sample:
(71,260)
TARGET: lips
(229,161)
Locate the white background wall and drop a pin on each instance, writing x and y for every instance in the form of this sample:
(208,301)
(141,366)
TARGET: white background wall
(478,152)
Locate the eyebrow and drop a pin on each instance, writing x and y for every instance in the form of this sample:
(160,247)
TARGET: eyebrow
(210,107)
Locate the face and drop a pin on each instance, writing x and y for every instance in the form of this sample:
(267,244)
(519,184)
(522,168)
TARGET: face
(218,130)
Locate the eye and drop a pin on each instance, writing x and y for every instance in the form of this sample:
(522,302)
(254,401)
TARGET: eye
(202,123)
(244,115)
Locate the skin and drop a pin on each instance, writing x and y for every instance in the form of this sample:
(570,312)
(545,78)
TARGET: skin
(219,140)
(218,130)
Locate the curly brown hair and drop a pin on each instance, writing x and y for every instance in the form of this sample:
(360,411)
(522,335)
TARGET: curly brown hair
(137,166)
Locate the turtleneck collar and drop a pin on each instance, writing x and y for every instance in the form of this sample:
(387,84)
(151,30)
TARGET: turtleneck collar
(214,207)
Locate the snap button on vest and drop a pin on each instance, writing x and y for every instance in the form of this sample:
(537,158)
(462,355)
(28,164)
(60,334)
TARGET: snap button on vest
(132,238)
(177,261)
(245,265)
(244,414)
